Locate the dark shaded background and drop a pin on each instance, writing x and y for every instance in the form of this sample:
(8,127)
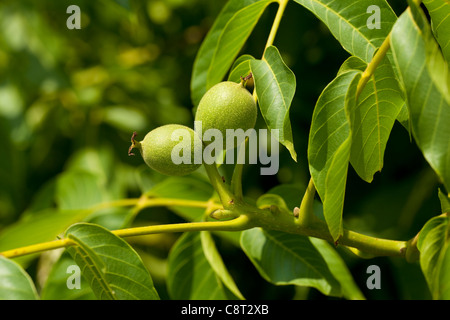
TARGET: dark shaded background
(128,69)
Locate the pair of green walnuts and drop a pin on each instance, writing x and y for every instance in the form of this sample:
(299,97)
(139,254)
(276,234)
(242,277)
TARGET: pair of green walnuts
(226,105)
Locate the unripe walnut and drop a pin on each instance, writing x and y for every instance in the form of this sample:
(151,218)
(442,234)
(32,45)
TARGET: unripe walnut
(227,105)
(164,146)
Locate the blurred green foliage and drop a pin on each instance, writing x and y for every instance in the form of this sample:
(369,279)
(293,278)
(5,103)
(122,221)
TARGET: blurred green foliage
(70,100)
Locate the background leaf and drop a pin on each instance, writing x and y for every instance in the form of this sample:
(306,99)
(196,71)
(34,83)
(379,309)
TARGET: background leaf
(15,283)
(43,226)
(425,76)
(79,189)
(113,269)
(188,188)
(275,87)
(347,21)
(222,44)
(330,144)
(190,275)
(283,259)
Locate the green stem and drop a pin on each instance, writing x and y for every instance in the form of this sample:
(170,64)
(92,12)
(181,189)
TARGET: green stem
(318,229)
(371,67)
(226,197)
(276,23)
(373,245)
(238,224)
(306,211)
(237,174)
(236,180)
(376,60)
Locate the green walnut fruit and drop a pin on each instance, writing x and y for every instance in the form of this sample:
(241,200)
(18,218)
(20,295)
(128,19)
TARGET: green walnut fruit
(170,149)
(227,105)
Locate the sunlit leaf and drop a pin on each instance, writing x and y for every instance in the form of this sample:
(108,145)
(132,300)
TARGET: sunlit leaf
(275,87)
(79,189)
(348,21)
(112,268)
(15,283)
(426,79)
(240,68)
(439,10)
(373,117)
(329,146)
(42,226)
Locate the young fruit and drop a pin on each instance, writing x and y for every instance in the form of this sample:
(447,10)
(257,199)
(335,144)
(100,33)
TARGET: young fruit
(164,147)
(227,105)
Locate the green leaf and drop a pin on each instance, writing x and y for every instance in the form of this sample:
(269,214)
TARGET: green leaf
(445,202)
(275,87)
(55,287)
(42,226)
(284,259)
(222,44)
(439,11)
(240,68)
(78,189)
(188,188)
(215,260)
(434,247)
(373,117)
(111,266)
(348,22)
(425,77)
(15,283)
(125,118)
(124,4)
(329,146)
(190,275)
(290,195)
(339,269)
(267,200)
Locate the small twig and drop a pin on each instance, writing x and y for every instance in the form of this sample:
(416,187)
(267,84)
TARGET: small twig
(133,144)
